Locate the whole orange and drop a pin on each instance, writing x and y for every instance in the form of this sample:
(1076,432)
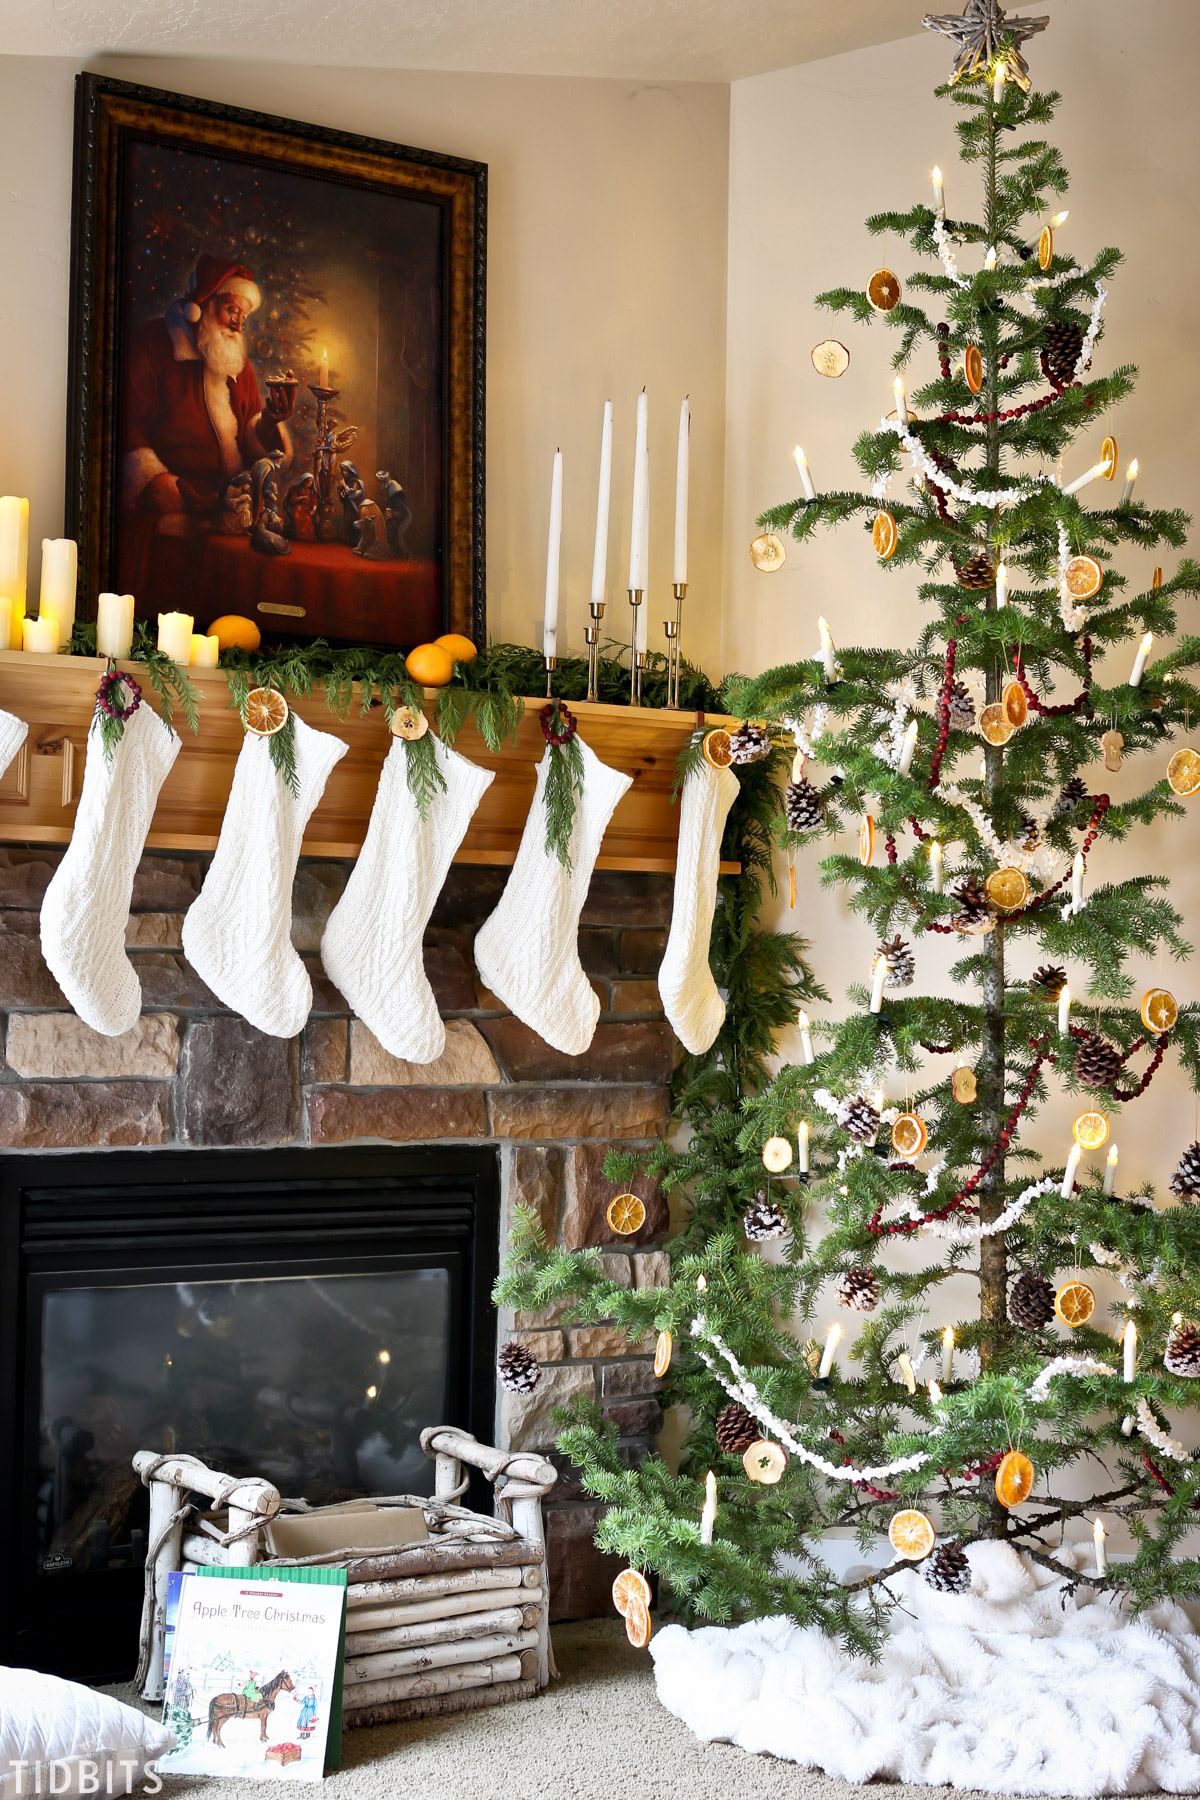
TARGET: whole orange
(233,632)
(461,648)
(430,664)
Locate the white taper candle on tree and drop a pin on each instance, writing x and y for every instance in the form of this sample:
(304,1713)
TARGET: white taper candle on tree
(1129,1350)
(603,503)
(681,493)
(1110,1172)
(830,1351)
(708,1517)
(1139,661)
(1064,1009)
(879,976)
(553,558)
(1001,585)
(939,190)
(948,1355)
(935,865)
(802,1147)
(1101,1551)
(907,749)
(1089,475)
(1072,1169)
(1131,475)
(806,480)
(908,1373)
(901,403)
(1077,867)
(827,657)
(806,1043)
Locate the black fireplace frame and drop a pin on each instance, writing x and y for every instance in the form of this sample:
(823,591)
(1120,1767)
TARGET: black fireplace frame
(101,1212)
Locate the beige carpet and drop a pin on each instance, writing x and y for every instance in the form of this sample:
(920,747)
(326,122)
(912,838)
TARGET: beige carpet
(598,1733)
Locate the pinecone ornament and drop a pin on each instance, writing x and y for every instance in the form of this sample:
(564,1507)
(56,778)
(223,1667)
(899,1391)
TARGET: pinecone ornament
(1097,1062)
(1062,343)
(1031,1301)
(962,708)
(947,1568)
(1047,983)
(737,1429)
(1182,1356)
(857,1289)
(802,803)
(1075,790)
(1185,1182)
(976,916)
(764,1219)
(979,571)
(858,1118)
(902,964)
(520,1371)
(1032,830)
(749,743)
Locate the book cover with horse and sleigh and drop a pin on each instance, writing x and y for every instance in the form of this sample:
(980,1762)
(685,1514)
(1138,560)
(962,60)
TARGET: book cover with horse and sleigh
(254,1672)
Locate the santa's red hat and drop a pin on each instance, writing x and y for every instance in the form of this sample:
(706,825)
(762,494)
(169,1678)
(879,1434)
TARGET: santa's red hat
(218,275)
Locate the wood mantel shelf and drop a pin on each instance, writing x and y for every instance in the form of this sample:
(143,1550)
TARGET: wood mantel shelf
(56,696)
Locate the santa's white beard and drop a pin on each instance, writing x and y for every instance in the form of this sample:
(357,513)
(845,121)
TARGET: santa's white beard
(223,350)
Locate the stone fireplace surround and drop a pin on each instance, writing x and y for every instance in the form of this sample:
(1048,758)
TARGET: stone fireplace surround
(191,1074)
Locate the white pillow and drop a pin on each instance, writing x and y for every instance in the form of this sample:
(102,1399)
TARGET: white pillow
(80,1741)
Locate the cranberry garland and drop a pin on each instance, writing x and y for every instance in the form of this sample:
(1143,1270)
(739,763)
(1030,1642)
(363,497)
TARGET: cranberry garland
(1101,807)
(557,713)
(905,1227)
(105,702)
(1082,702)
(935,762)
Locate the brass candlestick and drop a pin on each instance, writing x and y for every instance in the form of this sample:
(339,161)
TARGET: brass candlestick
(551,663)
(640,660)
(680,589)
(591,635)
(635,686)
(671,627)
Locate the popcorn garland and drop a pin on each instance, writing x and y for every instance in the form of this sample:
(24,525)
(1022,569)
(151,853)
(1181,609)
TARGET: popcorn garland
(1039,1388)
(889,745)
(805,739)
(967,1234)
(941,238)
(1041,861)
(1084,362)
(1154,1434)
(939,479)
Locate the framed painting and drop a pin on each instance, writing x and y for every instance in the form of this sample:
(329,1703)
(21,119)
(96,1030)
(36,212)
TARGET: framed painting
(276,382)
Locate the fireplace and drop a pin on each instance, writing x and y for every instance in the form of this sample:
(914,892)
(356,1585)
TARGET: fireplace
(299,1314)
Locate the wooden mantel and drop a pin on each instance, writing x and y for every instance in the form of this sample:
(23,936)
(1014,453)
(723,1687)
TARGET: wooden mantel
(56,695)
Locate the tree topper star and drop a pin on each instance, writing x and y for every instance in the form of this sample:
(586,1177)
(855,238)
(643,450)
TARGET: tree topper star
(980,32)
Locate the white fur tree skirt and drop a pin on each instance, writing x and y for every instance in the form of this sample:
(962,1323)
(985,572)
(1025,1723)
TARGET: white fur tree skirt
(1002,1689)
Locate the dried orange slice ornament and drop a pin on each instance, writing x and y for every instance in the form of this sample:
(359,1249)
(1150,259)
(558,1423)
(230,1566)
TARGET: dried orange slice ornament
(662,1353)
(765,1462)
(1183,773)
(995,724)
(1156,583)
(1082,577)
(830,358)
(1108,452)
(973,368)
(1014,1479)
(767,553)
(884,534)
(626,1214)
(1007,889)
(777,1154)
(266,712)
(910,1134)
(1090,1130)
(883,290)
(1074,1303)
(1045,249)
(637,1625)
(1016,706)
(911,1534)
(1159,1011)
(866,840)
(718,748)
(629,1588)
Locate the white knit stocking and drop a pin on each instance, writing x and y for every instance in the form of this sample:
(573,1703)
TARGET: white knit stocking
(528,950)
(13,732)
(372,943)
(238,931)
(690,997)
(86,907)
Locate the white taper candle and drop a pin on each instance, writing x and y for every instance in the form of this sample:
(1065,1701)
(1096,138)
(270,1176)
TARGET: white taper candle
(1139,661)
(806,1043)
(681,493)
(1072,1169)
(603,504)
(553,558)
(806,480)
(1064,1009)
(1110,1171)
(641,479)
(830,1350)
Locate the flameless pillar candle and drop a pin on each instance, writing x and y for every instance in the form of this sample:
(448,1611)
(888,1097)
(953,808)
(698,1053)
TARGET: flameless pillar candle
(1101,1552)
(1131,475)
(681,494)
(827,656)
(175,636)
(1072,1169)
(603,498)
(806,480)
(1129,1350)
(14,556)
(41,635)
(939,191)
(904,1362)
(1110,1172)
(709,1516)
(948,1355)
(639,527)
(880,976)
(553,553)
(57,598)
(806,1044)
(830,1351)
(6,623)
(114,625)
(205,651)
(1139,661)
(802,1147)
(1064,1009)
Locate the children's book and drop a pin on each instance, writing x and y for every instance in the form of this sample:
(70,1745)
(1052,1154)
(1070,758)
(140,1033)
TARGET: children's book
(253,1681)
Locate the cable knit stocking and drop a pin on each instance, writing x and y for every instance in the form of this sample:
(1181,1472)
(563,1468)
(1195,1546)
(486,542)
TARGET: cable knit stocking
(372,943)
(86,907)
(528,950)
(13,732)
(238,931)
(690,997)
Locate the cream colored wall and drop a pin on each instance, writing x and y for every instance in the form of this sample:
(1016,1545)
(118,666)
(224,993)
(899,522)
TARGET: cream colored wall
(606,233)
(813,151)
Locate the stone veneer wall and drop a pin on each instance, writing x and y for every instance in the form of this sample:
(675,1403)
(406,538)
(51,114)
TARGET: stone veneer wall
(192,1074)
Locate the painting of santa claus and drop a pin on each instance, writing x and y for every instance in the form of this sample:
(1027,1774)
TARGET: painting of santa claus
(276,403)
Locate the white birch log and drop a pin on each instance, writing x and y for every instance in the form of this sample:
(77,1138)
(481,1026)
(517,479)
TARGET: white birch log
(447,1606)
(435,1681)
(427,1587)
(444,1631)
(391,1712)
(441,1556)
(436,1656)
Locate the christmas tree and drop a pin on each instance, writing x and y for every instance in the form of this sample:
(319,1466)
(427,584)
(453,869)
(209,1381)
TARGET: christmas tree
(969,770)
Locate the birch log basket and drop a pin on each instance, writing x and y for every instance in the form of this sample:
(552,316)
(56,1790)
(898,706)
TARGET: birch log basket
(458,1621)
